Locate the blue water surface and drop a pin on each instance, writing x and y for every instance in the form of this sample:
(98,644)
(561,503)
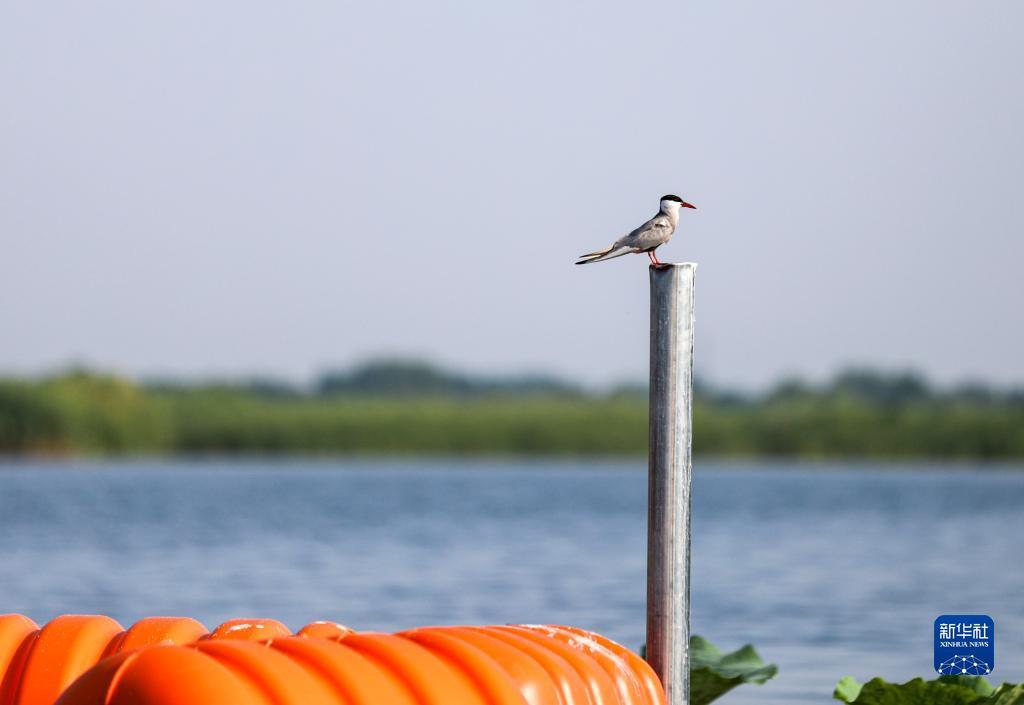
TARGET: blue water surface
(829,570)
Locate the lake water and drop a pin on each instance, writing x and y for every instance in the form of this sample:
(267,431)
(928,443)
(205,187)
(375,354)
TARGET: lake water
(828,571)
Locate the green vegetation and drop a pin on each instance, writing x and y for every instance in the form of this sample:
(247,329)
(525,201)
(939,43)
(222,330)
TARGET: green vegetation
(944,690)
(408,408)
(713,674)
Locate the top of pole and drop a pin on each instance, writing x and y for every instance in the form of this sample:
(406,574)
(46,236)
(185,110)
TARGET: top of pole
(673,265)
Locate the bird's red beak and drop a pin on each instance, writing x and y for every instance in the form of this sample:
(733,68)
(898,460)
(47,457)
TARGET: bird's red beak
(689,205)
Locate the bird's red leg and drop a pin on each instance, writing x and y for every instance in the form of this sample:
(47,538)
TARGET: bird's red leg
(655,257)
(650,256)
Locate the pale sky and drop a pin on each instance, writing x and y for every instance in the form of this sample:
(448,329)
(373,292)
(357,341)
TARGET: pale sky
(231,188)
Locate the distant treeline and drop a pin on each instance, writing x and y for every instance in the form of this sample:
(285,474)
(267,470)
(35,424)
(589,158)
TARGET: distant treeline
(410,408)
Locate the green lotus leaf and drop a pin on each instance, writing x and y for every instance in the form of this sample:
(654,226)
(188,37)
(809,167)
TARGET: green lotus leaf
(976,683)
(945,690)
(847,690)
(712,673)
(1007,694)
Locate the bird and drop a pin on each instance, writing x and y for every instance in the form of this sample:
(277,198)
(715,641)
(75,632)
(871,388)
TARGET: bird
(648,237)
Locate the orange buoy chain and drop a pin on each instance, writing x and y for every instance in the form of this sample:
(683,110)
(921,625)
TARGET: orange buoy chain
(91,660)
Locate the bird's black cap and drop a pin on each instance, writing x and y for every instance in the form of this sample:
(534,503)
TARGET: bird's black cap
(670,197)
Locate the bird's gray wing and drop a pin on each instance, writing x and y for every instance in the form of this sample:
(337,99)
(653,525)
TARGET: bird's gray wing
(651,234)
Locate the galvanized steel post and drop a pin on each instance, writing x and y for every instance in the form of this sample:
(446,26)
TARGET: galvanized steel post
(669,468)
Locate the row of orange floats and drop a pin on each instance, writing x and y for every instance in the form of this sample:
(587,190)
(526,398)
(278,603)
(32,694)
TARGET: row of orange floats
(93,660)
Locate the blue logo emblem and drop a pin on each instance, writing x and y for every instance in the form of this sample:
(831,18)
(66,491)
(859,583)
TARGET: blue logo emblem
(965,645)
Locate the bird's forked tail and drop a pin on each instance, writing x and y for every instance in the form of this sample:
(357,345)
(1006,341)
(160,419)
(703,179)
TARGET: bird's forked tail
(603,255)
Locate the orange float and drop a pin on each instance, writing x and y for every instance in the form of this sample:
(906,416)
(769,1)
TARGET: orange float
(357,679)
(160,630)
(527,673)
(62,651)
(250,630)
(92,660)
(17,635)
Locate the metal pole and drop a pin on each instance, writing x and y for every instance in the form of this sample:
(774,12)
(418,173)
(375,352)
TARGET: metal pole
(669,467)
